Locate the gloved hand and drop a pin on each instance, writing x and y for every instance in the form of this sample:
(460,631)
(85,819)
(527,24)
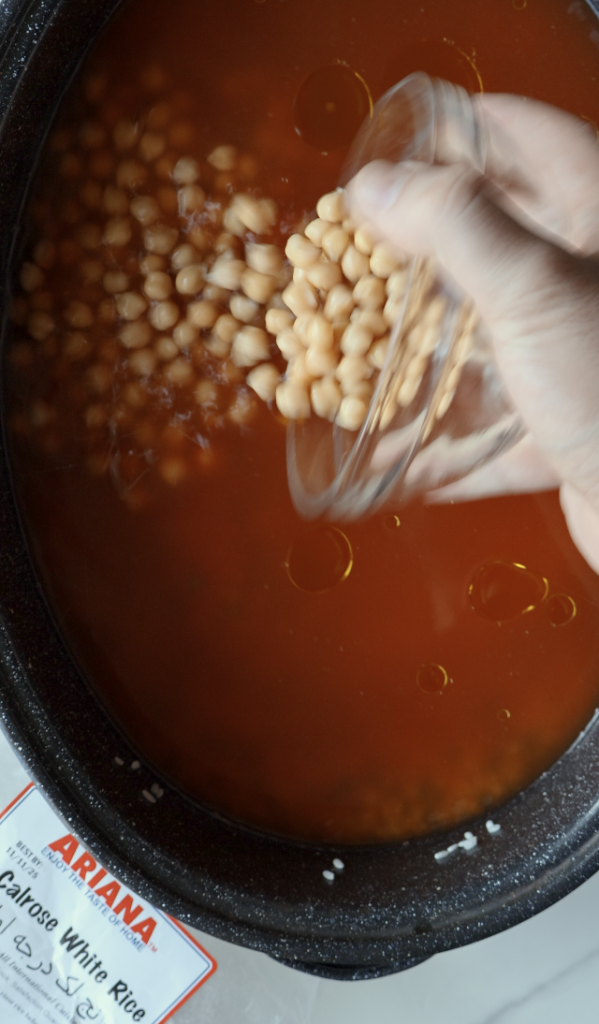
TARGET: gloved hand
(523,242)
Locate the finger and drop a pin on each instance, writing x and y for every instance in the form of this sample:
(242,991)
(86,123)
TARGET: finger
(549,162)
(521,470)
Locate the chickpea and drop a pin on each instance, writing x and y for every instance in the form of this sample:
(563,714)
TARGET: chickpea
(151,263)
(142,362)
(278,320)
(69,251)
(185,334)
(78,314)
(232,223)
(136,334)
(186,171)
(253,213)
(299,275)
(384,260)
(202,313)
(264,380)
(326,398)
(364,240)
(293,400)
(166,349)
(289,344)
(114,200)
(31,277)
(354,264)
(226,327)
(115,281)
(352,413)
(373,320)
(316,229)
(227,273)
(44,254)
(298,372)
(76,346)
(244,309)
(319,333)
(352,369)
(173,470)
(334,243)
(324,275)
(117,232)
(356,340)
(320,362)
(339,303)
(125,135)
(90,194)
(301,325)
(206,392)
(364,390)
(191,199)
(160,239)
(331,207)
(89,236)
(221,296)
(257,286)
(145,209)
(92,135)
(95,416)
(218,347)
(158,285)
(378,352)
(250,346)
(266,259)
(242,409)
(179,372)
(164,315)
(190,279)
(130,305)
(300,297)
(183,256)
(339,329)
(392,310)
(301,252)
(369,292)
(131,174)
(151,146)
(223,158)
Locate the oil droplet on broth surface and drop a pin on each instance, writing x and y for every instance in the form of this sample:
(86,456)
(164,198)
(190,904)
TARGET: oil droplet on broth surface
(392,522)
(503,715)
(319,559)
(330,105)
(440,58)
(432,678)
(560,609)
(501,591)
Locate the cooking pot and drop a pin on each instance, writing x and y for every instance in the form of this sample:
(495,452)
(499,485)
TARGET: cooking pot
(339,912)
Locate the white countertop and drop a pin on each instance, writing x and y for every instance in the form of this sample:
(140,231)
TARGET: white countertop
(545,971)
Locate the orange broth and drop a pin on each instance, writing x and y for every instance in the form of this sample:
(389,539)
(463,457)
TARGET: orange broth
(427,686)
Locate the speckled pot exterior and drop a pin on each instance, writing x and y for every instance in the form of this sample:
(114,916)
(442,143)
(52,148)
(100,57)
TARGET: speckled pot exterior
(392,905)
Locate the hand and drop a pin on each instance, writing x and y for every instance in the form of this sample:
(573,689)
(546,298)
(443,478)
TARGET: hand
(523,242)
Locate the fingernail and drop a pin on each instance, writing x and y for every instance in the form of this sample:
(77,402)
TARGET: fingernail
(379,184)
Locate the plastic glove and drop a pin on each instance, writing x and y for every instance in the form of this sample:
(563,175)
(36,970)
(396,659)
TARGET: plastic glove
(523,242)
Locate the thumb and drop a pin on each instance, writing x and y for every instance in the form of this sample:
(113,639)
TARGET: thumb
(450,212)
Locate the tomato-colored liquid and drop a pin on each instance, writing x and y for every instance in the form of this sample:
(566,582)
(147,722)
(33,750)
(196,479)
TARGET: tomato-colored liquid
(453,654)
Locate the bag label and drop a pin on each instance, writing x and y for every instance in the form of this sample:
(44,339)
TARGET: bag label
(76,944)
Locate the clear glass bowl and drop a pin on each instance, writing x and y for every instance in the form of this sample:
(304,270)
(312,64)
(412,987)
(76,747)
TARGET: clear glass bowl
(439,409)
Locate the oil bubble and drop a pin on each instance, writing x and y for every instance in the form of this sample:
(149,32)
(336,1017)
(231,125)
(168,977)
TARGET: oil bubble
(560,609)
(503,715)
(501,591)
(319,559)
(330,105)
(432,678)
(440,58)
(392,522)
